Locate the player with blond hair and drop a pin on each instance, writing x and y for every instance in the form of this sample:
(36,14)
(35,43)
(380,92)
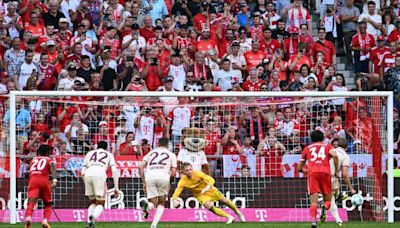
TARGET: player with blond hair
(203,189)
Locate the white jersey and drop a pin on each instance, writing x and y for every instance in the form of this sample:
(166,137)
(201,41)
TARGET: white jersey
(97,163)
(159,163)
(196,159)
(179,74)
(343,159)
(145,130)
(180,117)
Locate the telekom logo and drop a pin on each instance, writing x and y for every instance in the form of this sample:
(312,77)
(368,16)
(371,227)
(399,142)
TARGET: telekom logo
(262,215)
(79,215)
(201,215)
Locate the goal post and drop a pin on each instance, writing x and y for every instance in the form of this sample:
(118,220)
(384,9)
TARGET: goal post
(387,124)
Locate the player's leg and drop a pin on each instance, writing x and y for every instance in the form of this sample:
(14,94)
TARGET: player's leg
(29,211)
(100,190)
(89,192)
(45,194)
(334,209)
(232,206)
(325,186)
(33,194)
(313,208)
(207,202)
(159,211)
(152,197)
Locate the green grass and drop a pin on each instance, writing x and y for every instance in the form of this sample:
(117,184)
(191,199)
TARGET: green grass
(213,225)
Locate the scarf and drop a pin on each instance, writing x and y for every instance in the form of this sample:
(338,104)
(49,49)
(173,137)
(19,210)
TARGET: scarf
(197,74)
(260,130)
(291,47)
(296,16)
(363,42)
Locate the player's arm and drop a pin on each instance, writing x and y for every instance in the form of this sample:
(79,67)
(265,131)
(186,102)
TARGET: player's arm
(345,176)
(53,172)
(208,180)
(173,168)
(177,193)
(303,161)
(142,166)
(333,154)
(115,174)
(85,165)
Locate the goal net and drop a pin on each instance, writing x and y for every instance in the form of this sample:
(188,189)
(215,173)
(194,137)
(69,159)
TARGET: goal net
(254,142)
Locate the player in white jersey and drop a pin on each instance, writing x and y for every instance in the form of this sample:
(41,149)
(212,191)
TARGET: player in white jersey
(94,174)
(157,168)
(343,167)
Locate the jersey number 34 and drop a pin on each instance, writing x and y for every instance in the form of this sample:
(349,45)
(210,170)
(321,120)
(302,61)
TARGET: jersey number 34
(318,155)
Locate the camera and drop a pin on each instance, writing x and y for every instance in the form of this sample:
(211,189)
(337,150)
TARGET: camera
(129,59)
(328,11)
(147,110)
(137,79)
(153,61)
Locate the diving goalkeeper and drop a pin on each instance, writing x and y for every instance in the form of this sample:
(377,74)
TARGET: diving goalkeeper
(202,187)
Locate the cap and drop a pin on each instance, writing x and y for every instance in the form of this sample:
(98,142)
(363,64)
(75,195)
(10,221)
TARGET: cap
(356,142)
(4,74)
(381,38)
(63,20)
(78,82)
(81,25)
(71,67)
(51,43)
(243,4)
(176,54)
(121,117)
(103,124)
(204,4)
(169,79)
(293,30)
(265,61)
(135,26)
(235,44)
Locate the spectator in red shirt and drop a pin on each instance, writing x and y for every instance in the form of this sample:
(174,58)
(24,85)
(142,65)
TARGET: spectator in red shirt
(130,146)
(231,142)
(253,83)
(152,72)
(324,46)
(147,31)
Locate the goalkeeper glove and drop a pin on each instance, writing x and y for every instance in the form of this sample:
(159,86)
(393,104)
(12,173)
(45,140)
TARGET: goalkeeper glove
(175,203)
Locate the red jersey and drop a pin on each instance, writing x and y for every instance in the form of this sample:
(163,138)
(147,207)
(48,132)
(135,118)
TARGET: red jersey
(270,47)
(388,60)
(205,45)
(326,47)
(115,46)
(394,36)
(317,155)
(199,21)
(363,41)
(49,78)
(212,139)
(182,42)
(252,86)
(40,168)
(254,58)
(376,57)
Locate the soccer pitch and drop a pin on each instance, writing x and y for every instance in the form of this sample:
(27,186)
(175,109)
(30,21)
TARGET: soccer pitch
(212,225)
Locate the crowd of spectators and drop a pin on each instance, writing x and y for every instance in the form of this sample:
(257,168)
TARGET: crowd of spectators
(192,45)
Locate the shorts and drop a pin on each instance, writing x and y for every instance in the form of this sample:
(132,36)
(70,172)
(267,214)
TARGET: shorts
(213,196)
(95,188)
(157,187)
(40,189)
(319,183)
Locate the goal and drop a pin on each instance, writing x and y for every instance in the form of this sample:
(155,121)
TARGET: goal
(254,141)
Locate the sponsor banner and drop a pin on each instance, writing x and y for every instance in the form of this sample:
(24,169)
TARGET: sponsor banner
(360,165)
(175,215)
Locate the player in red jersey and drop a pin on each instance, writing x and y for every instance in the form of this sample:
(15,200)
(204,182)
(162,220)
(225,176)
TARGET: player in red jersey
(39,186)
(319,172)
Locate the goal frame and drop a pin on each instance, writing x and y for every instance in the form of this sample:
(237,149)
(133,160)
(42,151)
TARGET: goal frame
(12,126)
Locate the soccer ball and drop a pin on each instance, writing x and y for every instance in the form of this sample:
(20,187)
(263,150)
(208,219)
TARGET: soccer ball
(357,200)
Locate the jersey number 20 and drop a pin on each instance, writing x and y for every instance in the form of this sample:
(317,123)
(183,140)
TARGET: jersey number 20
(317,155)
(38,164)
